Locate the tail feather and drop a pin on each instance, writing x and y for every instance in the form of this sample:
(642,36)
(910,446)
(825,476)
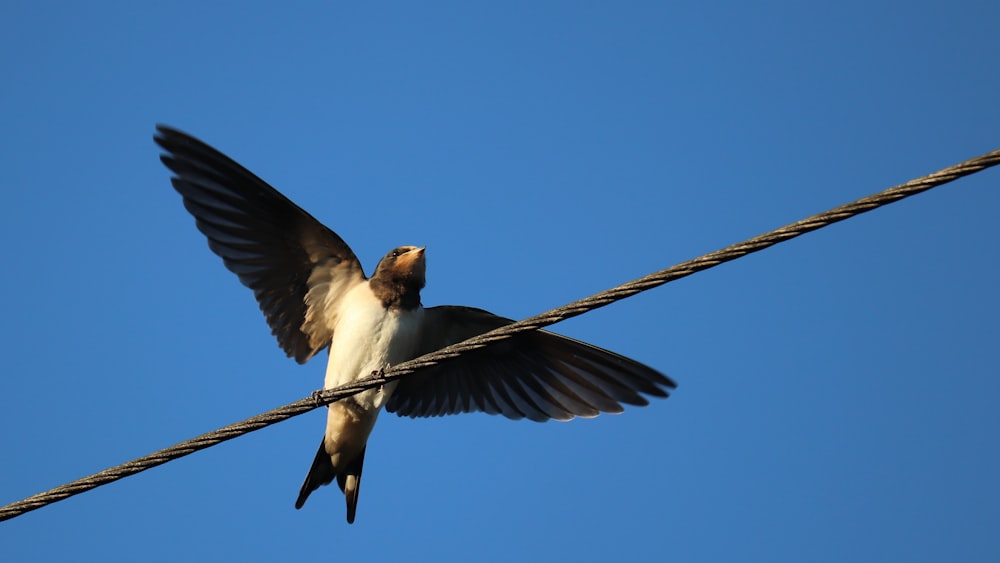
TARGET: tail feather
(323,472)
(350,482)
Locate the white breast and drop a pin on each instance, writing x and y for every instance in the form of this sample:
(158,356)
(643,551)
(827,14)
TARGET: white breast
(367,338)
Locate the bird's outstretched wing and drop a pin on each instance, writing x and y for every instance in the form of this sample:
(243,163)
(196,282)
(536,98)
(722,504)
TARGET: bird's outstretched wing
(297,268)
(536,375)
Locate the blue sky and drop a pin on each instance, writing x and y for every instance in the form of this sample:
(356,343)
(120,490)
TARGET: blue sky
(837,395)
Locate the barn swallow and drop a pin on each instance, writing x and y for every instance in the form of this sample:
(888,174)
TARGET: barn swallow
(315,295)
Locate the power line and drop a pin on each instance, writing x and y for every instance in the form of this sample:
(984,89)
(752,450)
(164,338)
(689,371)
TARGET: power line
(570,310)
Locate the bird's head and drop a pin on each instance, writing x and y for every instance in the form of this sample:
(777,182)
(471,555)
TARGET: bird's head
(404,264)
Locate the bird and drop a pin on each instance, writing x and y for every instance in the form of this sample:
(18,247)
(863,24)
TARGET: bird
(315,296)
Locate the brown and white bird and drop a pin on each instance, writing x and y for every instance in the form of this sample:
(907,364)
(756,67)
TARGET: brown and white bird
(315,296)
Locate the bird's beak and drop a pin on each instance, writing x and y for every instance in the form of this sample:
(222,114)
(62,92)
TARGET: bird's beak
(414,255)
(414,260)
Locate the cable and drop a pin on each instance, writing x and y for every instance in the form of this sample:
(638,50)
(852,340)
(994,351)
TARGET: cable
(570,310)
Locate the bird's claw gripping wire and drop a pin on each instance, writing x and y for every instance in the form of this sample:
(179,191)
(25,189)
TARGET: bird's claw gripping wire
(380,372)
(317,397)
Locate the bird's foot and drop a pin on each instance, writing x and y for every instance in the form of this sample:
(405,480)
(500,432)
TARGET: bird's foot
(317,396)
(381,373)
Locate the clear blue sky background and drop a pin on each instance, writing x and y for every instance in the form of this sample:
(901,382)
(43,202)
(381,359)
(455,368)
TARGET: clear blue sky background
(838,393)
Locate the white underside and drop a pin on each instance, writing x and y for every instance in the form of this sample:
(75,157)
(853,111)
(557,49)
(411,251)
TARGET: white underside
(367,338)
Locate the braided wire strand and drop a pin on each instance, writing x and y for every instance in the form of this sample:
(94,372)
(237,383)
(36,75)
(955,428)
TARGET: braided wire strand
(547,318)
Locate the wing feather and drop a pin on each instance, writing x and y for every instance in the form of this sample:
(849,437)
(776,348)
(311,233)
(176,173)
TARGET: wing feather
(537,375)
(297,268)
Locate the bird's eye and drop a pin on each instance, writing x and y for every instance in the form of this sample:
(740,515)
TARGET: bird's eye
(394,254)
